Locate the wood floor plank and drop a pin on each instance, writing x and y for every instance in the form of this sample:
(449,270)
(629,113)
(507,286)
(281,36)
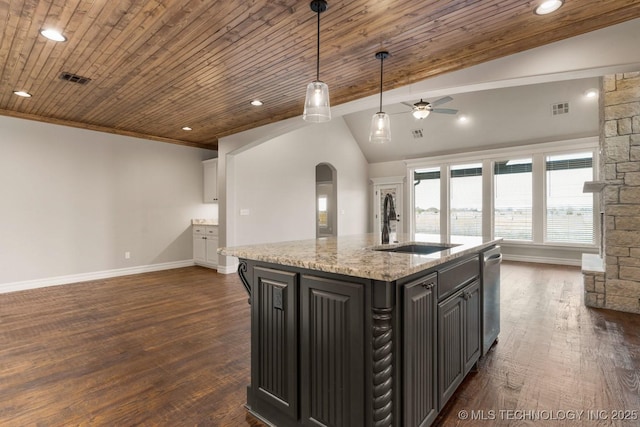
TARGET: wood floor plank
(172,348)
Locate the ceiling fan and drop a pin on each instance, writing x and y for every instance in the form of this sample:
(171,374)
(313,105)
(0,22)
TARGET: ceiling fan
(421,109)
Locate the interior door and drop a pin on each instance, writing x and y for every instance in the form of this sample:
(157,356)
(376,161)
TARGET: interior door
(379,193)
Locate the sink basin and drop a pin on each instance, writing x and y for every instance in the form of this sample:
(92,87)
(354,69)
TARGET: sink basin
(416,248)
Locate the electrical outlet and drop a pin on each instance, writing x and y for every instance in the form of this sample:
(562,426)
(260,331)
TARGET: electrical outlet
(127,255)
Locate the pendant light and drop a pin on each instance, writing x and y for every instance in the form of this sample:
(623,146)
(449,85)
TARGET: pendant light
(316,103)
(380,123)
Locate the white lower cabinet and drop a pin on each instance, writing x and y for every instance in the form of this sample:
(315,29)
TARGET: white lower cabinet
(205,245)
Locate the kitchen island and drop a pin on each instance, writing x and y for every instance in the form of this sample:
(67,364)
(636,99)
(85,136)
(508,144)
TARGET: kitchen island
(349,332)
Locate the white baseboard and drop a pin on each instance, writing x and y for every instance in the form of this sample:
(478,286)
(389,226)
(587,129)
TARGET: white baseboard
(222,269)
(227,269)
(542,260)
(96,275)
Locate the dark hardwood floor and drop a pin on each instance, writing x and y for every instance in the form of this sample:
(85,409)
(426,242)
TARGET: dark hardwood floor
(171,348)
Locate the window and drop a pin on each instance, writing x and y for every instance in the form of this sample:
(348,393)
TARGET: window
(534,197)
(569,211)
(513,202)
(466,200)
(427,201)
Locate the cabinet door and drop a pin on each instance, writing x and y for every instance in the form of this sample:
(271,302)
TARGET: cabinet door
(274,343)
(210,181)
(451,324)
(332,355)
(473,327)
(199,248)
(212,250)
(419,363)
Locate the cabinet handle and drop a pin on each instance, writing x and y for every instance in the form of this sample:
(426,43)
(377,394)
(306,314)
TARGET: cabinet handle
(428,285)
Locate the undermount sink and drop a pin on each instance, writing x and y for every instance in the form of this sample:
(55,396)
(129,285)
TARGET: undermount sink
(416,248)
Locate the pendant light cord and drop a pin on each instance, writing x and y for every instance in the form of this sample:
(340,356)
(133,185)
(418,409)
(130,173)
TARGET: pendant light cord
(381,62)
(318,54)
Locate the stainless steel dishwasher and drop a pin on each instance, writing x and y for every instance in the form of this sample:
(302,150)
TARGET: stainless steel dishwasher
(491,260)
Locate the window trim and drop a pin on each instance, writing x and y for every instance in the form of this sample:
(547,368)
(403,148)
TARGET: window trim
(538,153)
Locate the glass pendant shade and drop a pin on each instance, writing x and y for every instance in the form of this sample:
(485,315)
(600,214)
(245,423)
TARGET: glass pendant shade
(380,128)
(316,103)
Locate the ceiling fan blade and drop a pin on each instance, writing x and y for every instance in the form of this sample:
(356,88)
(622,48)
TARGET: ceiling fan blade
(441,101)
(445,110)
(407,104)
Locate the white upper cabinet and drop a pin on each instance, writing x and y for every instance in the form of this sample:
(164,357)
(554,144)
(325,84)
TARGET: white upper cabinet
(210,181)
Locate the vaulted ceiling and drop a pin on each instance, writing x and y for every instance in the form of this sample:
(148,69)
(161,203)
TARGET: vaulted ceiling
(159,65)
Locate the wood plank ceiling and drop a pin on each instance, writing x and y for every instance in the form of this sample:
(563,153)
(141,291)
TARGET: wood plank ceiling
(158,65)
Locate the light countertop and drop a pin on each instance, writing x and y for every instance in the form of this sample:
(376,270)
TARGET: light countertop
(353,255)
(204,222)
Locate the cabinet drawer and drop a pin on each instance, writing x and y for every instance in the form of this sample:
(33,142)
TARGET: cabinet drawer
(199,230)
(455,276)
(211,230)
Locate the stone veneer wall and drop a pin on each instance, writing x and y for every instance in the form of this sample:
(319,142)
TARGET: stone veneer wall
(593,285)
(620,170)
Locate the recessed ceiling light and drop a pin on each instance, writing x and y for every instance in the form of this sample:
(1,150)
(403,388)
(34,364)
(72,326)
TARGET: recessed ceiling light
(54,35)
(256,103)
(591,93)
(22,93)
(548,6)
(463,119)
(186,128)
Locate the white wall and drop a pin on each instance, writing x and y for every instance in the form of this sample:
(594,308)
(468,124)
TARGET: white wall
(73,201)
(275,182)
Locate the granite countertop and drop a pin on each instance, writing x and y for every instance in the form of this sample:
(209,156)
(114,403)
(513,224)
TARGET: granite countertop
(204,222)
(354,255)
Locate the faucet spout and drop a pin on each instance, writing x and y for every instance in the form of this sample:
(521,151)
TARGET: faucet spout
(388,214)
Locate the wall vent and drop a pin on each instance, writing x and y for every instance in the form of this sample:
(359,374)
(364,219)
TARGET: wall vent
(74,78)
(417,133)
(560,108)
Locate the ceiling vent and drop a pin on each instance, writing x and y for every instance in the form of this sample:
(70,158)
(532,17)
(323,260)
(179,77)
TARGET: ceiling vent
(417,133)
(74,78)
(560,108)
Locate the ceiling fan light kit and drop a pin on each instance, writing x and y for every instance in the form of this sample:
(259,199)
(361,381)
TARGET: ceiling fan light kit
(380,123)
(316,104)
(421,110)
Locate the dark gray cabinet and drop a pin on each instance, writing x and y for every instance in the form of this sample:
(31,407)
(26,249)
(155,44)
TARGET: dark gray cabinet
(307,349)
(459,336)
(337,350)
(420,404)
(473,325)
(332,352)
(274,343)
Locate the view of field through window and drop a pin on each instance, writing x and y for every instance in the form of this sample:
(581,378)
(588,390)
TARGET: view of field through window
(569,210)
(568,213)
(513,201)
